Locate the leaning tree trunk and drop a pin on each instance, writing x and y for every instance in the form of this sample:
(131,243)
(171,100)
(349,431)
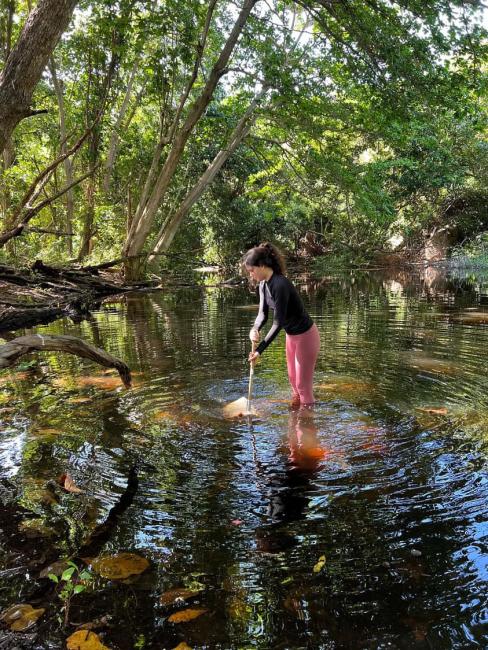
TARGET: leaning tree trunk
(27,60)
(145,215)
(114,138)
(172,223)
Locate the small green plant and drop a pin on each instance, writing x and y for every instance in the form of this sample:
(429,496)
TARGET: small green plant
(72,581)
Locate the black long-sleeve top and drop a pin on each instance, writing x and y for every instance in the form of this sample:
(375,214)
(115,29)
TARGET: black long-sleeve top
(289,313)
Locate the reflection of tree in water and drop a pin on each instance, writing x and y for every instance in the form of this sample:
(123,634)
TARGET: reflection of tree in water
(286,492)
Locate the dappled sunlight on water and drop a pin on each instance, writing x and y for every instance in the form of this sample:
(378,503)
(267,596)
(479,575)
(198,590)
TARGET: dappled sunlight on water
(358,524)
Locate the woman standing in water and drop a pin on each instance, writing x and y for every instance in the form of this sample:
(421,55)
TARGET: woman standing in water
(265,265)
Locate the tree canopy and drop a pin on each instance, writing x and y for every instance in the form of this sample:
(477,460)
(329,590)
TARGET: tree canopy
(160,126)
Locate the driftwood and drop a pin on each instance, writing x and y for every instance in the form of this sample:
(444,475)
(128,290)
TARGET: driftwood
(16,348)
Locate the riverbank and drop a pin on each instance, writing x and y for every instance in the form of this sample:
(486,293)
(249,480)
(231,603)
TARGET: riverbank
(41,293)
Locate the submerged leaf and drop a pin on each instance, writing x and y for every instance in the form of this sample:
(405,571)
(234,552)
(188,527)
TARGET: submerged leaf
(21,617)
(85,640)
(320,564)
(186,615)
(173,595)
(182,646)
(118,567)
(441,410)
(67,483)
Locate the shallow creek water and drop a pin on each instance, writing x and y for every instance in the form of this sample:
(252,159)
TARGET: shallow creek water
(386,479)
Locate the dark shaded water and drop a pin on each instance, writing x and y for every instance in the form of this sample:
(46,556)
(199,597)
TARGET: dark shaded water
(386,479)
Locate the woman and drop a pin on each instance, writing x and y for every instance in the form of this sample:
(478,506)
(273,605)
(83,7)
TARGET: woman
(265,265)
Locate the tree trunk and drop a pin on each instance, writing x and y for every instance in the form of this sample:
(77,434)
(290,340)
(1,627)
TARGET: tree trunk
(67,164)
(172,223)
(88,221)
(114,138)
(27,60)
(146,213)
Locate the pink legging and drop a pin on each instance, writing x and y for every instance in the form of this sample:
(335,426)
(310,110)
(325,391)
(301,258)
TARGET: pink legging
(302,351)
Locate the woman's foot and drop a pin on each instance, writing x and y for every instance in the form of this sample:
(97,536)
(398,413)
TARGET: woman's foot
(295,403)
(307,409)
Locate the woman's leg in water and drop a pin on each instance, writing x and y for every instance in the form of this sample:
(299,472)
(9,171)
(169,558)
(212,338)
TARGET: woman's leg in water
(305,348)
(291,366)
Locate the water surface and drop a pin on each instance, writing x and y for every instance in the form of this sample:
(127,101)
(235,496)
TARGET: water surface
(386,479)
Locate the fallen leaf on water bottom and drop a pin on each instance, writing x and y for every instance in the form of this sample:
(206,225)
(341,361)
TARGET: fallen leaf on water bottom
(56,568)
(118,567)
(442,410)
(182,646)
(67,483)
(85,640)
(173,595)
(21,617)
(186,615)
(320,564)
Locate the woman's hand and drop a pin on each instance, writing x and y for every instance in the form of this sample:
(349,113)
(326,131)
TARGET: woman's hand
(254,335)
(253,356)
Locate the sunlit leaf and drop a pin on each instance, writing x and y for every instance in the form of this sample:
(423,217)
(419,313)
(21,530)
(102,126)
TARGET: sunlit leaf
(21,617)
(320,564)
(67,483)
(186,615)
(118,567)
(182,646)
(173,595)
(84,640)
(68,574)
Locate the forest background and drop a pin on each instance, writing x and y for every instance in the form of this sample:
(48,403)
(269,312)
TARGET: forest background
(160,131)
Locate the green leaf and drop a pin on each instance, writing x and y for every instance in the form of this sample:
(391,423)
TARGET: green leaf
(52,577)
(79,588)
(67,574)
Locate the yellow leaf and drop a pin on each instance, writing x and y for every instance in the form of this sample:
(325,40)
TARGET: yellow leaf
(171,596)
(21,617)
(182,646)
(186,615)
(118,567)
(320,564)
(84,640)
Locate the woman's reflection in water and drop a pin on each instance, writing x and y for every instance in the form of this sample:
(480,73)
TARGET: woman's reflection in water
(287,492)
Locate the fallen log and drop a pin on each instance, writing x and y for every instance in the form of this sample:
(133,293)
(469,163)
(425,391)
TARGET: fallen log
(49,293)
(11,318)
(16,348)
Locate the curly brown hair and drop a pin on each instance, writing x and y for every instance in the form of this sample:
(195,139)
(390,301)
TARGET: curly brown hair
(265,254)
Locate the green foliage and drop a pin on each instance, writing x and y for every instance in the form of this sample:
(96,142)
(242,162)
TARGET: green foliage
(374,124)
(72,581)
